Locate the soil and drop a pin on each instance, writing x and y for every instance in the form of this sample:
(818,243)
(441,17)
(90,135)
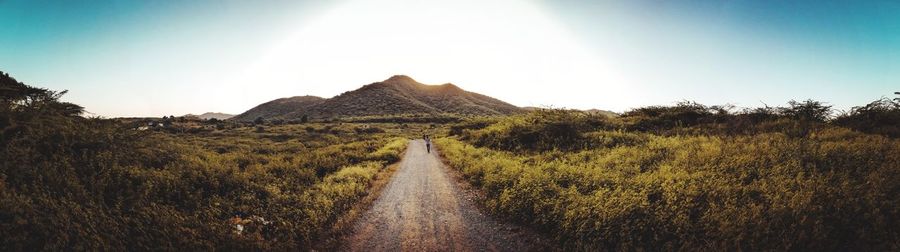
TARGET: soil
(423,209)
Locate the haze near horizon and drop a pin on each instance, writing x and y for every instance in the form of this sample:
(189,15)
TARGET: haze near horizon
(135,58)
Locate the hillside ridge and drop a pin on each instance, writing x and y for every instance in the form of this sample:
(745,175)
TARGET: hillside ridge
(399,94)
(278,107)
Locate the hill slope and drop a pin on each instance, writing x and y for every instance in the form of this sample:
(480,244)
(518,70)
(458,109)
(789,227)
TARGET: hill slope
(397,95)
(211,115)
(279,107)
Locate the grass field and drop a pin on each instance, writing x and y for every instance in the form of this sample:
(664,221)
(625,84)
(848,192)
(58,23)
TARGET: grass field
(683,177)
(685,184)
(90,184)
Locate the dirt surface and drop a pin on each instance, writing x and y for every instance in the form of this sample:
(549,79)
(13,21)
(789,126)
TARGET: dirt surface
(422,209)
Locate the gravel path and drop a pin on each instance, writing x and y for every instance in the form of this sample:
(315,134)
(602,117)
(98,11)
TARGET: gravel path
(422,209)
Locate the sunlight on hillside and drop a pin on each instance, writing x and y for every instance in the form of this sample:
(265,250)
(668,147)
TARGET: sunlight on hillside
(464,125)
(490,47)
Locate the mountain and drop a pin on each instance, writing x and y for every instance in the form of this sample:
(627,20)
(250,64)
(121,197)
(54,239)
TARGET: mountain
(279,107)
(606,113)
(211,115)
(399,94)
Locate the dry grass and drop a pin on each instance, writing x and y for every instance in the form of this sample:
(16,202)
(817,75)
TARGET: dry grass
(607,188)
(344,224)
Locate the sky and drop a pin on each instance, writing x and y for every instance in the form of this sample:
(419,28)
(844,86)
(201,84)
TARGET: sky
(123,58)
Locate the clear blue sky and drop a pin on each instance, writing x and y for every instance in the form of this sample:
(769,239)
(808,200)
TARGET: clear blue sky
(154,58)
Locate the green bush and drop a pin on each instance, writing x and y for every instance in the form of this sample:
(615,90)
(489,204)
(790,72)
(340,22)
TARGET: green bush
(540,130)
(391,151)
(660,118)
(458,129)
(878,117)
(691,118)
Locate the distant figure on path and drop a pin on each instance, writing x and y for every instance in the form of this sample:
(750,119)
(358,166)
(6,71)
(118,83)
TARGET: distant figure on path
(427,143)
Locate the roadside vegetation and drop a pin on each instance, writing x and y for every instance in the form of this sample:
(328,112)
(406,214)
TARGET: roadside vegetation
(73,183)
(692,177)
(683,177)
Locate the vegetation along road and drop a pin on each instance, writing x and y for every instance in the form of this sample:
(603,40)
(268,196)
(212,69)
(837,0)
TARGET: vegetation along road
(423,209)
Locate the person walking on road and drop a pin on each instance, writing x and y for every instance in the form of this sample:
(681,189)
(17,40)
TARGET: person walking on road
(427,143)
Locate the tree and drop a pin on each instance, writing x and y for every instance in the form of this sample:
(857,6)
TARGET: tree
(879,117)
(304,119)
(259,120)
(807,110)
(15,96)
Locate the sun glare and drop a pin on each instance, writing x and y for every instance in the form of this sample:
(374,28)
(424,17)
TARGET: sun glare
(509,49)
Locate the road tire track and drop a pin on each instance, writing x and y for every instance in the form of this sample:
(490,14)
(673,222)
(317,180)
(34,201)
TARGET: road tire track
(422,209)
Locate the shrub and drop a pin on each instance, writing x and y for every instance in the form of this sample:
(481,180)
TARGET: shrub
(808,110)
(540,130)
(391,151)
(368,130)
(73,183)
(878,117)
(831,190)
(458,129)
(781,180)
(659,118)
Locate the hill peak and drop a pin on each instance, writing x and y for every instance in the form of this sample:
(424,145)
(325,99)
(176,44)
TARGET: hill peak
(399,94)
(302,98)
(409,81)
(400,78)
(449,86)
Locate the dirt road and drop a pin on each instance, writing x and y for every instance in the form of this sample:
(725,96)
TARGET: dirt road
(422,209)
